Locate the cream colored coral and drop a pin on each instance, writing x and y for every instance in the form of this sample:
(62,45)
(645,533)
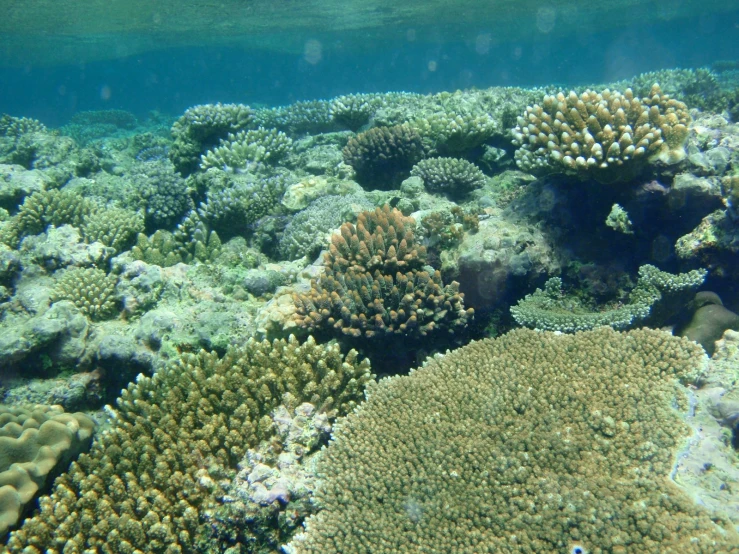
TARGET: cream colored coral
(533,442)
(595,134)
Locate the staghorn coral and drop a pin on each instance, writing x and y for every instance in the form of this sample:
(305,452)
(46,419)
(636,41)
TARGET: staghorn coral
(453,176)
(240,150)
(90,289)
(549,309)
(36,442)
(383,156)
(373,284)
(533,442)
(455,129)
(175,436)
(607,136)
(201,127)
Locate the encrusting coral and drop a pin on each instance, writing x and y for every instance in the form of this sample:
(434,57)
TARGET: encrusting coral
(374,285)
(533,442)
(173,438)
(607,136)
(36,442)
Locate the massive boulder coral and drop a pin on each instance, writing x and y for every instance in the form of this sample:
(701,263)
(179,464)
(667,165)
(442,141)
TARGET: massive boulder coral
(533,442)
(374,284)
(607,136)
(36,443)
(174,436)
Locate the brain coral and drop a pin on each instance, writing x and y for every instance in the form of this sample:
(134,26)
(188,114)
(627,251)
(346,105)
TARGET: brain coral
(35,443)
(533,442)
(146,481)
(606,136)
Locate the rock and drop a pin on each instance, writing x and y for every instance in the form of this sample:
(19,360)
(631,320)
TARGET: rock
(710,320)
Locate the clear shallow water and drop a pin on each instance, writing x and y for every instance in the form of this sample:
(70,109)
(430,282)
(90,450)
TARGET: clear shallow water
(406,57)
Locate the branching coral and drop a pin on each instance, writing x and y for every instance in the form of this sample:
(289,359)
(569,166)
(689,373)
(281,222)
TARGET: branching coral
(201,127)
(90,289)
(549,309)
(607,136)
(241,149)
(453,176)
(174,436)
(354,110)
(383,156)
(374,284)
(533,442)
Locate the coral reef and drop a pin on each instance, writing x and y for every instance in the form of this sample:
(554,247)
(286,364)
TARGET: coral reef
(36,443)
(312,116)
(175,436)
(309,230)
(201,127)
(605,136)
(353,111)
(164,194)
(240,150)
(91,290)
(549,309)
(452,176)
(533,442)
(383,156)
(373,284)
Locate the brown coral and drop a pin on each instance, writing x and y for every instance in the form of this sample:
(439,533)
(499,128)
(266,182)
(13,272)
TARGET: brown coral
(374,283)
(384,156)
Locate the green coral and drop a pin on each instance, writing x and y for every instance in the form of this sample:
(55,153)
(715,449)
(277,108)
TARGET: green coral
(532,442)
(16,126)
(201,127)
(383,156)
(550,309)
(618,220)
(240,150)
(52,207)
(148,482)
(311,117)
(453,176)
(607,136)
(698,88)
(354,110)
(163,194)
(455,128)
(114,227)
(90,289)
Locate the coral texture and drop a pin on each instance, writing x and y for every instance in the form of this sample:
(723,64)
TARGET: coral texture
(240,150)
(145,482)
(606,136)
(383,156)
(35,443)
(201,127)
(90,289)
(374,284)
(549,309)
(534,442)
(452,176)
